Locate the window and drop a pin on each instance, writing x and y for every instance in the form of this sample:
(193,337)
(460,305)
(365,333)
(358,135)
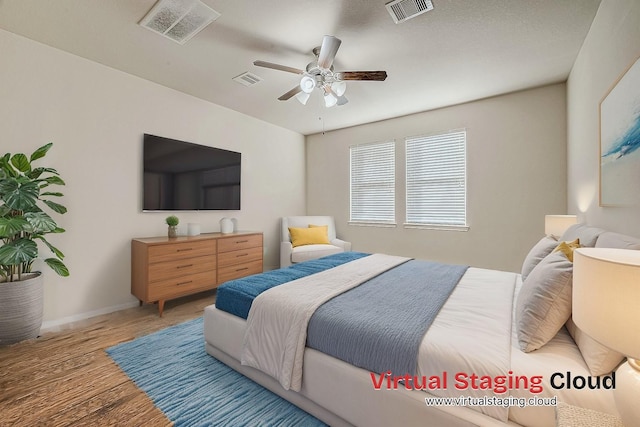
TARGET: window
(436,180)
(373,183)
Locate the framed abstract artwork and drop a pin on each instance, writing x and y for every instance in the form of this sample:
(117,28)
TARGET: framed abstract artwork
(620,141)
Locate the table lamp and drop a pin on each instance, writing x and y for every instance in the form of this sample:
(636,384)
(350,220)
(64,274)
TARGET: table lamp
(555,225)
(606,306)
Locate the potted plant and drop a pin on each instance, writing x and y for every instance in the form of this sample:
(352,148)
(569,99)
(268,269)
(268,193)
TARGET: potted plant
(172,221)
(24,197)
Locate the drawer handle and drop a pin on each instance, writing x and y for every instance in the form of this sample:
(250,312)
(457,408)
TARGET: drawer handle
(242,269)
(184,283)
(239,255)
(185,266)
(185,249)
(241,241)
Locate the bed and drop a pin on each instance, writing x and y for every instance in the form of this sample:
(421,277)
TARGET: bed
(472,348)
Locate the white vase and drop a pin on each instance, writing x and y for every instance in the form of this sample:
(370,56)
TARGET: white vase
(226,225)
(21,305)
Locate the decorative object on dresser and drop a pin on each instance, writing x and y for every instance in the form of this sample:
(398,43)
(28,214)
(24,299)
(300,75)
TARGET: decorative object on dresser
(163,269)
(24,200)
(172,221)
(227,225)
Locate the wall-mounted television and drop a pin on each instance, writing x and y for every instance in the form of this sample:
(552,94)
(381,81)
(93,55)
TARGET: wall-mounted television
(180,175)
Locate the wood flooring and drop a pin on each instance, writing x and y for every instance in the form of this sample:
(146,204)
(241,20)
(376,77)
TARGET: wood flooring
(66,379)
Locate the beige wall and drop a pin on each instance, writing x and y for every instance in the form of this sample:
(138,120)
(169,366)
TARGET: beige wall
(516,155)
(611,46)
(96,116)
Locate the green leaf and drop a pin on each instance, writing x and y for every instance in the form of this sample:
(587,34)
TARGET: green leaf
(57,266)
(20,162)
(19,194)
(9,227)
(55,180)
(57,252)
(36,172)
(40,152)
(55,206)
(18,251)
(48,193)
(40,222)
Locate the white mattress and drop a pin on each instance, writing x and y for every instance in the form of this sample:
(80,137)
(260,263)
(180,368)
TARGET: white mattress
(480,311)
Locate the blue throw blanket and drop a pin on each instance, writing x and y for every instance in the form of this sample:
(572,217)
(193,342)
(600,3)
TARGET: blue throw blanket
(236,296)
(379,325)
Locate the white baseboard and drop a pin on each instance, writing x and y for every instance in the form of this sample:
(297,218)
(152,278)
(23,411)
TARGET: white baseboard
(58,324)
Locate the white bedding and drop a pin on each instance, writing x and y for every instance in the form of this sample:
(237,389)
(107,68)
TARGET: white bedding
(276,332)
(480,313)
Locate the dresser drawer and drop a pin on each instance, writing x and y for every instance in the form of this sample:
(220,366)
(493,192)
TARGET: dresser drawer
(171,288)
(235,243)
(173,251)
(240,270)
(240,257)
(181,267)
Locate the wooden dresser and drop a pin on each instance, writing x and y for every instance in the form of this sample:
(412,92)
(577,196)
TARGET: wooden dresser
(164,268)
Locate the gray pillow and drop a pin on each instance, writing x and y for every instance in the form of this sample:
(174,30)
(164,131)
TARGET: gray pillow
(544,302)
(600,359)
(537,253)
(587,234)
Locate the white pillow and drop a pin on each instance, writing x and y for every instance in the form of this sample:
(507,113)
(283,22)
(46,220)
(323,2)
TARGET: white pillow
(544,302)
(540,250)
(601,360)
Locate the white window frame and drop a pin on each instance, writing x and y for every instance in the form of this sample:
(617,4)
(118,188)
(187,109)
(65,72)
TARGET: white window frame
(372,170)
(439,160)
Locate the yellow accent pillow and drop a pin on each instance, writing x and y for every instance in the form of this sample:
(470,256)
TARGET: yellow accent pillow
(567,248)
(308,236)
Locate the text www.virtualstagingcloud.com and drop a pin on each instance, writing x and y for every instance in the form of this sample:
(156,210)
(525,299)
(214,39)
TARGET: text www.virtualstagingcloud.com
(504,402)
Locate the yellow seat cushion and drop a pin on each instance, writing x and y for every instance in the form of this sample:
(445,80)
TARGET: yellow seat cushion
(309,236)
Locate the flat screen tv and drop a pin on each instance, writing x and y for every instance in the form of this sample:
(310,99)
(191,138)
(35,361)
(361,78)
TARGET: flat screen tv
(181,175)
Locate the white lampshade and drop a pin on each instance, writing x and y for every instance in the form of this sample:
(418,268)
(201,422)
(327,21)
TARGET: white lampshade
(555,225)
(303,97)
(330,100)
(307,84)
(606,297)
(339,88)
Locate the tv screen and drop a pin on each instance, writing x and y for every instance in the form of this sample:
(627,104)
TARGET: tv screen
(181,175)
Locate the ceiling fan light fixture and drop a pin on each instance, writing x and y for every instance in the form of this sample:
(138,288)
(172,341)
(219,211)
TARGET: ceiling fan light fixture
(330,100)
(307,84)
(339,88)
(303,97)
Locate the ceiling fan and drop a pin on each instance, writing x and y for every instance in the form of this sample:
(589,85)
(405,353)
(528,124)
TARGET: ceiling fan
(320,74)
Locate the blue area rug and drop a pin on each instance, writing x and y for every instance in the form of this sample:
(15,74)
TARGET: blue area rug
(194,389)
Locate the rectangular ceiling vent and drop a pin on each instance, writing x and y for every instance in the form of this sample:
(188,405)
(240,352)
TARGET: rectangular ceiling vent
(247,79)
(179,20)
(402,10)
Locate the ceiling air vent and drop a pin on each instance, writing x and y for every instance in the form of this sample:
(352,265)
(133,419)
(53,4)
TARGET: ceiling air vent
(179,20)
(247,79)
(401,10)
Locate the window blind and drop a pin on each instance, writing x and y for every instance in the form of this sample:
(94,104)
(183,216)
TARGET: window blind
(373,182)
(436,180)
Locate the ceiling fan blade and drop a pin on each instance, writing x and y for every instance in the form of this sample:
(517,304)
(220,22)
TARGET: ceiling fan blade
(291,93)
(328,50)
(362,75)
(278,67)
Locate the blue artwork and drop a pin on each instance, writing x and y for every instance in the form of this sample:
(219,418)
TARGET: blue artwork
(619,142)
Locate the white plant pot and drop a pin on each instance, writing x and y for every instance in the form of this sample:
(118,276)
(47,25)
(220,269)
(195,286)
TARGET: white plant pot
(21,305)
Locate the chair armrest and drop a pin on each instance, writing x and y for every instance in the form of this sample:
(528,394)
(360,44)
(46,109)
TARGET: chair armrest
(346,246)
(285,254)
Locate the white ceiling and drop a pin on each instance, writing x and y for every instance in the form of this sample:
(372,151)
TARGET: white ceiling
(461,51)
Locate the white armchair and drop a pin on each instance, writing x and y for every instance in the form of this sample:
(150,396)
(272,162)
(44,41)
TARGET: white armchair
(290,255)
